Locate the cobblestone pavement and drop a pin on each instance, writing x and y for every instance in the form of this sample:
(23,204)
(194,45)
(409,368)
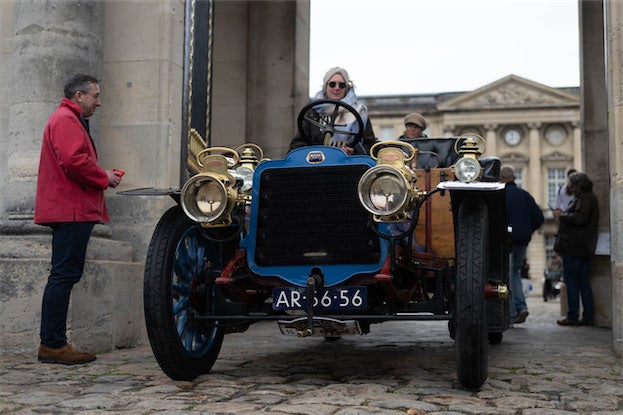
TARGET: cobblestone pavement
(399,368)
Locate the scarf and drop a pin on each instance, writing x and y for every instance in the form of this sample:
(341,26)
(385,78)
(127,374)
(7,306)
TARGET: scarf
(344,121)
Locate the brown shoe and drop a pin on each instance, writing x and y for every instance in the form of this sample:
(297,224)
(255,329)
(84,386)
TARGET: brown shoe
(65,355)
(522,316)
(565,322)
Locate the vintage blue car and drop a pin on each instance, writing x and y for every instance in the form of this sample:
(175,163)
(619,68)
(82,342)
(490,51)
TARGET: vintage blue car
(327,244)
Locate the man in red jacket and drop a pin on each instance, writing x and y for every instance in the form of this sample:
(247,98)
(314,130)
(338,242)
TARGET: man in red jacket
(70,199)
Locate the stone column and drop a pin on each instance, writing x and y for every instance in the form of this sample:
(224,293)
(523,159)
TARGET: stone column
(577,147)
(594,117)
(491,138)
(274,58)
(532,183)
(7,11)
(614,51)
(52,40)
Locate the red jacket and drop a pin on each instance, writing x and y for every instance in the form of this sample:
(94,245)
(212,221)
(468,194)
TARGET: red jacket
(70,185)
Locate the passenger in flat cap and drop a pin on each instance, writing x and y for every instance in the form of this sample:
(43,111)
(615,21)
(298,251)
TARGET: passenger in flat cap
(415,124)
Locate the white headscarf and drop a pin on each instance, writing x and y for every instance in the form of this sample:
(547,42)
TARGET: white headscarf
(344,120)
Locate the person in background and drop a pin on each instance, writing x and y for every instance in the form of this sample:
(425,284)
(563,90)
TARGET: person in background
(525,269)
(524,217)
(553,274)
(69,199)
(337,85)
(578,230)
(415,124)
(564,195)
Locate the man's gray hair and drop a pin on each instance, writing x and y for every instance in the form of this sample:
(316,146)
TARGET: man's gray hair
(78,82)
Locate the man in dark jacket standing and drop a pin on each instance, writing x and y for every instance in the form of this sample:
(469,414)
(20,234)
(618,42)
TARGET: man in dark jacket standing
(70,199)
(576,242)
(524,217)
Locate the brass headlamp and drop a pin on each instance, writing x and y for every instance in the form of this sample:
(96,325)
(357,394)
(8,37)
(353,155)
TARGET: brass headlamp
(468,169)
(209,196)
(388,189)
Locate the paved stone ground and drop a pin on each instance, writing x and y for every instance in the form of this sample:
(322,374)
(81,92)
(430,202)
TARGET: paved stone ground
(400,368)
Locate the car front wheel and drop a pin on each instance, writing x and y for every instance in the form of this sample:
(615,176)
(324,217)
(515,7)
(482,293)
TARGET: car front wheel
(177,282)
(470,316)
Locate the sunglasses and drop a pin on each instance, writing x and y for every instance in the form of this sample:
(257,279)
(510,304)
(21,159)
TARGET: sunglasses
(332,84)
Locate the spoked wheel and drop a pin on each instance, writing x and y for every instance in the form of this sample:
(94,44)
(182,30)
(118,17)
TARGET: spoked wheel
(471,326)
(177,281)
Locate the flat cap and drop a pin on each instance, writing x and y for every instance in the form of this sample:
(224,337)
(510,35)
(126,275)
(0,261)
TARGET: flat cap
(417,119)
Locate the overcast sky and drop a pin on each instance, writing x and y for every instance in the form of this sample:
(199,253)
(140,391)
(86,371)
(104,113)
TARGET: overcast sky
(424,46)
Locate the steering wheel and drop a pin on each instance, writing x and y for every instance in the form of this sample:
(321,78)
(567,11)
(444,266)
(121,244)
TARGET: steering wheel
(312,114)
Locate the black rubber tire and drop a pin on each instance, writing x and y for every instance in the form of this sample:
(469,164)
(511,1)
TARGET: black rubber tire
(470,317)
(182,349)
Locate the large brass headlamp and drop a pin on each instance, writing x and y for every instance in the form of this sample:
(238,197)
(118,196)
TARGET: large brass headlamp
(387,189)
(209,197)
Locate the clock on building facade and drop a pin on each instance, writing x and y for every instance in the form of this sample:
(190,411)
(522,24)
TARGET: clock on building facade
(512,136)
(556,135)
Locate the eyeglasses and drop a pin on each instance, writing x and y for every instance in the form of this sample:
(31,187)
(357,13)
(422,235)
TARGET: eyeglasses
(94,95)
(332,84)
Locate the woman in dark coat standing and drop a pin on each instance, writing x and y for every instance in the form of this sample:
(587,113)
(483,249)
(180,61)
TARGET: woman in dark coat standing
(576,242)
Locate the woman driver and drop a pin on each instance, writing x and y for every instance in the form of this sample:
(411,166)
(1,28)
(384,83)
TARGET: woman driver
(338,86)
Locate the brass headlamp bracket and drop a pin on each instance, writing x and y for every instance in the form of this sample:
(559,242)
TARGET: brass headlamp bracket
(472,145)
(396,154)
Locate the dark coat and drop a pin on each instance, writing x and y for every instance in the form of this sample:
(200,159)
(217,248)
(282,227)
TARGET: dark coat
(524,215)
(579,224)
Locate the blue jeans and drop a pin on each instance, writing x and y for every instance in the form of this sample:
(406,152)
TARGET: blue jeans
(69,246)
(518,300)
(577,279)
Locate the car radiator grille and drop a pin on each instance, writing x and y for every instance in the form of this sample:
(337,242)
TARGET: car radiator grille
(312,216)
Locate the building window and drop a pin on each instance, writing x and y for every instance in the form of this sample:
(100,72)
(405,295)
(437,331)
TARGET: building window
(387,133)
(519,177)
(555,179)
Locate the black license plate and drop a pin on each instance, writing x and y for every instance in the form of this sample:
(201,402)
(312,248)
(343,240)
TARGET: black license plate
(332,298)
